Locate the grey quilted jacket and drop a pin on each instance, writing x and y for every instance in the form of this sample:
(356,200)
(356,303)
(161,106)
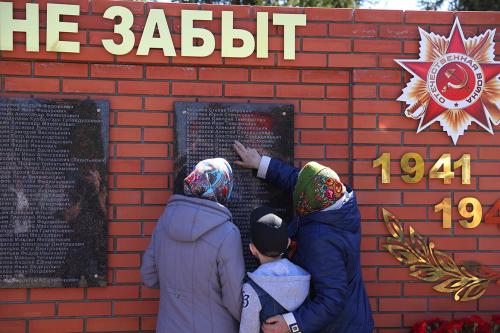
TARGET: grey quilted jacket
(195,258)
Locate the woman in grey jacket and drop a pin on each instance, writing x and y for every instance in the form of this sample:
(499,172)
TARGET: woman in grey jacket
(195,256)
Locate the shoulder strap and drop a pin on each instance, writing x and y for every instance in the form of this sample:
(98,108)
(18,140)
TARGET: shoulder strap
(258,290)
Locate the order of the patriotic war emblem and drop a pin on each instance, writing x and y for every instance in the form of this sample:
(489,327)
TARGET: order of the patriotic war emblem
(455,82)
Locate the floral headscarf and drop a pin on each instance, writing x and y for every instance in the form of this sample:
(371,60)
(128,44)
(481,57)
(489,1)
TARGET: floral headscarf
(318,187)
(211,179)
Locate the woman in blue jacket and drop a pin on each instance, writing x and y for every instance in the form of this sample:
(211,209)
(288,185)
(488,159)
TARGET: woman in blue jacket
(326,237)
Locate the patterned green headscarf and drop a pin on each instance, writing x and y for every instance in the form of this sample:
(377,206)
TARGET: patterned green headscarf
(318,187)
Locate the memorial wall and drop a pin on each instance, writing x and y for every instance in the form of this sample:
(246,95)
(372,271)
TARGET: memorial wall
(369,93)
(53,214)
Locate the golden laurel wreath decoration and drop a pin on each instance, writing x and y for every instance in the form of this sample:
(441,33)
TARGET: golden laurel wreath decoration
(468,282)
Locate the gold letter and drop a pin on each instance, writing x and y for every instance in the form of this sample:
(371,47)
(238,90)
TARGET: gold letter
(385,162)
(229,35)
(188,33)
(464,162)
(289,22)
(263,35)
(418,168)
(476,213)
(8,25)
(445,206)
(122,29)
(446,174)
(156,18)
(54,27)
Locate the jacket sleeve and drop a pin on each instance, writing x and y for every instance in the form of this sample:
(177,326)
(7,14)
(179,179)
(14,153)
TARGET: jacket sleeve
(326,264)
(250,320)
(231,269)
(283,175)
(149,273)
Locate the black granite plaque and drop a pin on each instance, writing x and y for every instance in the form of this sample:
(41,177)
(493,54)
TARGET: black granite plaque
(208,130)
(53,193)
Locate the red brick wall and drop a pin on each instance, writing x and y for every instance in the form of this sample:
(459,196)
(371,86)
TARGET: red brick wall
(343,83)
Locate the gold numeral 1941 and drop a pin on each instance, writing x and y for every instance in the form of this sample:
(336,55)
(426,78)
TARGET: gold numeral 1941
(444,162)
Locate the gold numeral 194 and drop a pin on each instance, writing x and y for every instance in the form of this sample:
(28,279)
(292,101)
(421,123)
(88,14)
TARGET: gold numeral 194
(476,213)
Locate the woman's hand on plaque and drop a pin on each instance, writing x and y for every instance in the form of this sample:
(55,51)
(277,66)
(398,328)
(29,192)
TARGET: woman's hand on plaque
(250,158)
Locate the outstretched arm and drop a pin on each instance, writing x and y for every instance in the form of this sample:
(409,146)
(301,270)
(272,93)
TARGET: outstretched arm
(279,173)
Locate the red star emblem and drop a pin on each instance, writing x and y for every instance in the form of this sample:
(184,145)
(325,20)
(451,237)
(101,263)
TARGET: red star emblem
(453,81)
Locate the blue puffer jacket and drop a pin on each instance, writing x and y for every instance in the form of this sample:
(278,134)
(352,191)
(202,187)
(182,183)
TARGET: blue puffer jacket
(328,247)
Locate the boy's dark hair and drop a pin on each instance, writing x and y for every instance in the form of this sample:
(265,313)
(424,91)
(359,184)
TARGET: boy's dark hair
(268,232)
